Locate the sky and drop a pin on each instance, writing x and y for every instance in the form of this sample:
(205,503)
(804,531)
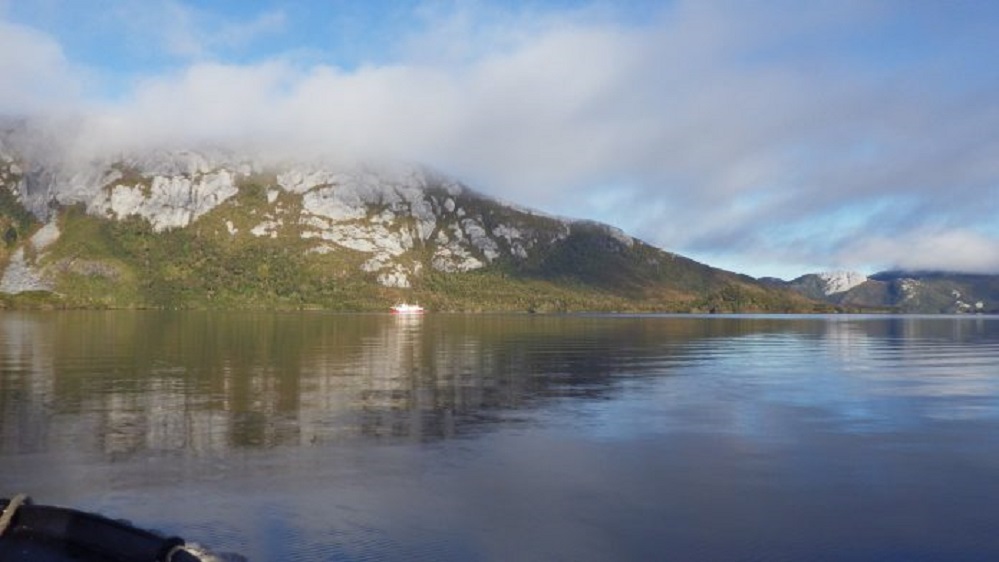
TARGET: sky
(773,138)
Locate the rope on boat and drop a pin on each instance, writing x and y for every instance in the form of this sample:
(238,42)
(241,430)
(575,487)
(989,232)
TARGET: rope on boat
(183,553)
(8,512)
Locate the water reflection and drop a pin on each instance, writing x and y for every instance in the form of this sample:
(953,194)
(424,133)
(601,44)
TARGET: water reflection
(121,383)
(514,437)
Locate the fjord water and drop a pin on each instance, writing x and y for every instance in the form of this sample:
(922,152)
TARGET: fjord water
(313,436)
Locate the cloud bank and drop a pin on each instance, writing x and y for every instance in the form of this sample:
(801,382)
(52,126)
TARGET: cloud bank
(770,138)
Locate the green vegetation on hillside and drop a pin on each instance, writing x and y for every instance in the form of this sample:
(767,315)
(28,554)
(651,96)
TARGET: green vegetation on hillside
(16,222)
(217,262)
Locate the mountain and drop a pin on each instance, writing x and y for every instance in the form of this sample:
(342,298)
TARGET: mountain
(826,286)
(928,292)
(214,229)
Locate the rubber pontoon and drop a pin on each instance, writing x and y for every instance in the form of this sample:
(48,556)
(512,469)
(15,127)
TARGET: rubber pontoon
(40,533)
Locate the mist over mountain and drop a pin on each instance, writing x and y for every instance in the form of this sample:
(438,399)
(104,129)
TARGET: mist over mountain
(208,227)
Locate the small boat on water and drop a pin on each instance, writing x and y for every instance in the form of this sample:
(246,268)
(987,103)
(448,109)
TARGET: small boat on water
(406,308)
(40,533)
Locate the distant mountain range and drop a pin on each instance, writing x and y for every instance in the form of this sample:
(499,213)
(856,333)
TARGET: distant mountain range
(207,229)
(928,292)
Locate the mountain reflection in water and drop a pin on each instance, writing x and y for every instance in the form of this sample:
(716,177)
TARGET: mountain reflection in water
(202,381)
(318,436)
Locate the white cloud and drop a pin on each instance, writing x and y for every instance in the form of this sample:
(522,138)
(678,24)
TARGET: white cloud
(204,103)
(958,249)
(188,32)
(36,75)
(720,128)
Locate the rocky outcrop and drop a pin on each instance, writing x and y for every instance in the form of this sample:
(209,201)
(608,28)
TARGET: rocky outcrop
(167,201)
(22,273)
(840,281)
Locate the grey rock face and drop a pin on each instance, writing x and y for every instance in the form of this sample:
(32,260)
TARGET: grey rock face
(396,216)
(22,275)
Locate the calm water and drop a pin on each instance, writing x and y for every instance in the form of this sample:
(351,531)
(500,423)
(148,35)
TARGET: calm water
(370,437)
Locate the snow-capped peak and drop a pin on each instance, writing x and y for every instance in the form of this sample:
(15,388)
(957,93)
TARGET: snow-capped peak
(841,281)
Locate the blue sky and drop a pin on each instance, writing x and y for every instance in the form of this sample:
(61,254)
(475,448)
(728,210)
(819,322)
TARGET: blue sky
(767,137)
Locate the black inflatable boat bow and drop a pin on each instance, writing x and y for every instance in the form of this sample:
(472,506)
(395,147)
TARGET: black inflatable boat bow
(45,533)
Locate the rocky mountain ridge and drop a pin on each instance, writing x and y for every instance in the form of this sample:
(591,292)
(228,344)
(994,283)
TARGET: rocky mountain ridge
(327,205)
(186,228)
